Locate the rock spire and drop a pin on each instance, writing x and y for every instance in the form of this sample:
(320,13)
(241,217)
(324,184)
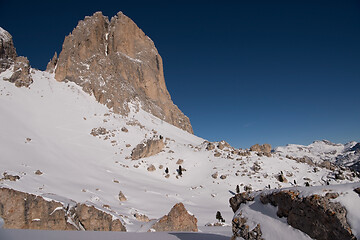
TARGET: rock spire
(117,63)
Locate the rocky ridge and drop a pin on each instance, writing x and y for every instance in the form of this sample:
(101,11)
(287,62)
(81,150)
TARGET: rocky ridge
(27,211)
(117,63)
(19,66)
(324,153)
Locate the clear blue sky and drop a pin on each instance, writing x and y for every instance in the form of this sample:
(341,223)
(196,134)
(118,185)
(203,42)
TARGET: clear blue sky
(248,72)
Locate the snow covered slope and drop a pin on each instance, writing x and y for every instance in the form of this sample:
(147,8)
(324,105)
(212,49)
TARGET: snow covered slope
(47,127)
(319,151)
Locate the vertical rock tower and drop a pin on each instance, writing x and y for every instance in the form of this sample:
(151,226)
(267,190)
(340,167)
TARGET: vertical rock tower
(117,63)
(21,67)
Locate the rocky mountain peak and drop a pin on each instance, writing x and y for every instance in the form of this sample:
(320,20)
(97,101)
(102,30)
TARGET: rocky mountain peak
(117,63)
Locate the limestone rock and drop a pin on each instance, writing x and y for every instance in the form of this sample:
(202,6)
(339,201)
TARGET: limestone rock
(7,50)
(141,217)
(210,146)
(10,177)
(239,199)
(217,154)
(99,131)
(52,64)
(215,175)
(117,63)
(8,57)
(241,229)
(223,144)
(265,148)
(147,149)
(151,168)
(178,219)
(21,76)
(27,211)
(319,217)
(180,161)
(95,220)
(122,197)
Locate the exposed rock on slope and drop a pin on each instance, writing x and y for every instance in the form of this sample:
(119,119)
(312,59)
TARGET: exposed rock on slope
(315,215)
(240,227)
(21,76)
(27,211)
(178,219)
(8,57)
(117,63)
(147,149)
(264,149)
(321,217)
(52,64)
(7,50)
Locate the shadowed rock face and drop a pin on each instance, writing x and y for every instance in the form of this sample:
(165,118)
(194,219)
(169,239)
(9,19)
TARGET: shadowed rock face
(178,219)
(8,57)
(27,211)
(319,217)
(117,63)
(7,50)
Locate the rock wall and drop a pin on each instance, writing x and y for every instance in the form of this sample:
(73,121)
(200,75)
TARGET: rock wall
(117,63)
(8,57)
(21,210)
(317,216)
(7,50)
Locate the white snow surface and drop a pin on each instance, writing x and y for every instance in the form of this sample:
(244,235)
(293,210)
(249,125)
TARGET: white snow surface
(47,127)
(6,234)
(5,35)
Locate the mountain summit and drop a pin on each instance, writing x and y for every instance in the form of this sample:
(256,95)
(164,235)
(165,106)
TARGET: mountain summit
(117,63)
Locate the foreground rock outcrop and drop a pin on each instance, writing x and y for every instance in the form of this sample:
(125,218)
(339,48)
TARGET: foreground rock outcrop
(148,148)
(21,210)
(318,216)
(240,228)
(8,57)
(117,63)
(178,219)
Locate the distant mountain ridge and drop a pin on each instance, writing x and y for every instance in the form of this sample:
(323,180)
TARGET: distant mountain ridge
(340,154)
